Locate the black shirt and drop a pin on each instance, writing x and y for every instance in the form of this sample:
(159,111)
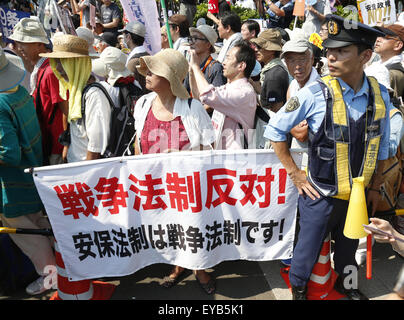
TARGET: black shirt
(274,87)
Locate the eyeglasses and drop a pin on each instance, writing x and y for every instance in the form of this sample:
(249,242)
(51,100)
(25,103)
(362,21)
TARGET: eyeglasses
(194,39)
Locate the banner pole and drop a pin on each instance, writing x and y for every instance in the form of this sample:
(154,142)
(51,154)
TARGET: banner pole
(165,15)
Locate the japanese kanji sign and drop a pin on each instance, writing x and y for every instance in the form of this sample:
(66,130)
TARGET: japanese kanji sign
(8,19)
(193,209)
(373,11)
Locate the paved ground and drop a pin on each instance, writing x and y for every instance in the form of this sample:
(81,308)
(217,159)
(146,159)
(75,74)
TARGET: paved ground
(239,280)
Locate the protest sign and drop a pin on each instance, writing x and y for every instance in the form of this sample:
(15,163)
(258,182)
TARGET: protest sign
(8,19)
(138,10)
(374,11)
(112,217)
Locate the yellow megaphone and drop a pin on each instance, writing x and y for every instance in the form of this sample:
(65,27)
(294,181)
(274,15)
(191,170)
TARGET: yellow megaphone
(357,214)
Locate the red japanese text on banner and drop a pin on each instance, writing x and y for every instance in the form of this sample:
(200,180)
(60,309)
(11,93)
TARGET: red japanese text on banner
(193,209)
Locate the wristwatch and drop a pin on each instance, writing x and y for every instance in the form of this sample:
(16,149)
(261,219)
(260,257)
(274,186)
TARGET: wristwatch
(399,287)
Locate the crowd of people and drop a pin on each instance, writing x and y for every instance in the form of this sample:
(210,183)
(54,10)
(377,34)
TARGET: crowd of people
(214,86)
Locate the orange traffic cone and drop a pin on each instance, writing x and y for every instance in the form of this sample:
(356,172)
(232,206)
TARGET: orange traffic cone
(322,279)
(78,290)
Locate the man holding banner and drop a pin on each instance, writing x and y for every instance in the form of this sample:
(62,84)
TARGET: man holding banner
(324,191)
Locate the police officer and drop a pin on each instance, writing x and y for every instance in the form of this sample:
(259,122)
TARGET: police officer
(347,114)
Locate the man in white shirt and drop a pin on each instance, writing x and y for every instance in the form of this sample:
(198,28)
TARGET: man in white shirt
(229,29)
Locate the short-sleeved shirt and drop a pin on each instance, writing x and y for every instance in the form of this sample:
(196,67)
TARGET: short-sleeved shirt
(50,97)
(93,135)
(312,107)
(108,14)
(20,148)
(275,86)
(282,22)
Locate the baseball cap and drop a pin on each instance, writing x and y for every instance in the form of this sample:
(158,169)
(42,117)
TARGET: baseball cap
(298,45)
(135,27)
(110,38)
(208,32)
(396,30)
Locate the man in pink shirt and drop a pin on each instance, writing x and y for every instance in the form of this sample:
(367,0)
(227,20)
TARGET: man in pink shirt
(235,102)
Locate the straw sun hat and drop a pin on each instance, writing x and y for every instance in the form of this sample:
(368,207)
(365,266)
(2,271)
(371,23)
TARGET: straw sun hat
(169,64)
(68,46)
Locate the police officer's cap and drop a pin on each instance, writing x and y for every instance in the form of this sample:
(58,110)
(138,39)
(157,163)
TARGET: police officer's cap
(342,33)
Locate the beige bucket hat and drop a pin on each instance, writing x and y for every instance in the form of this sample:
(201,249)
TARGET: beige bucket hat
(169,64)
(269,39)
(12,71)
(111,64)
(68,46)
(29,30)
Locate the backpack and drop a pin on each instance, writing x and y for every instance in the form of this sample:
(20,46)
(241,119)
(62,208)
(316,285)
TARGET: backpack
(122,124)
(392,177)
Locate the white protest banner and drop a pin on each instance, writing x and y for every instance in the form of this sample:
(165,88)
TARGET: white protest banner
(112,217)
(145,11)
(374,11)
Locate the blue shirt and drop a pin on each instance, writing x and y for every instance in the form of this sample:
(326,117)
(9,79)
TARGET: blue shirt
(312,108)
(396,132)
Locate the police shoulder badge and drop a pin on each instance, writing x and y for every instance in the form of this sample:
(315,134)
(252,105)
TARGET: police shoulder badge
(292,105)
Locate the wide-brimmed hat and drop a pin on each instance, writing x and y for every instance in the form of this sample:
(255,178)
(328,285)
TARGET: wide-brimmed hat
(208,32)
(86,34)
(169,64)
(111,64)
(12,71)
(269,39)
(29,30)
(68,46)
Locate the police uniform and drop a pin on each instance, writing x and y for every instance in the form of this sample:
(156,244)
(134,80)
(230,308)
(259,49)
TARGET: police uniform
(346,138)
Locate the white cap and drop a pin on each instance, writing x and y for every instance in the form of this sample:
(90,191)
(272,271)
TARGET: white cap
(111,63)
(381,73)
(86,34)
(135,27)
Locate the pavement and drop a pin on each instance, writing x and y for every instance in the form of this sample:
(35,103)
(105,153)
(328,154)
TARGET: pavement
(239,280)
